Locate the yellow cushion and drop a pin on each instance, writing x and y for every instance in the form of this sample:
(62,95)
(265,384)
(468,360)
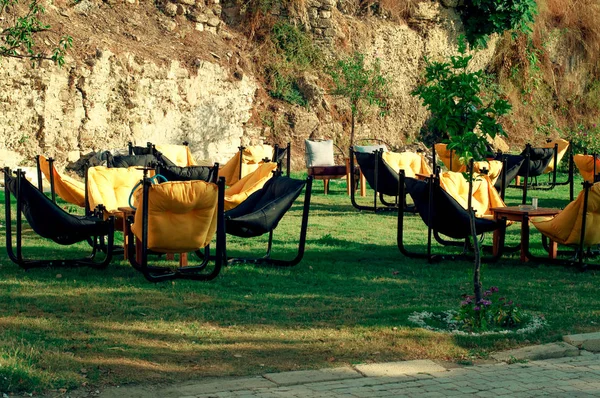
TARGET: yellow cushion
(485,195)
(111,187)
(412,163)
(251,183)
(443,153)
(585,164)
(563,145)
(252,157)
(69,189)
(494,167)
(565,227)
(182,215)
(178,154)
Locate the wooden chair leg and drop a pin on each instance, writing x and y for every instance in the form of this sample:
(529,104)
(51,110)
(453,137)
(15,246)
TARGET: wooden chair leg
(183,259)
(363,185)
(326,185)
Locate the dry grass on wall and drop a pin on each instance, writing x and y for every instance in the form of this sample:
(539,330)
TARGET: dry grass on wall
(552,77)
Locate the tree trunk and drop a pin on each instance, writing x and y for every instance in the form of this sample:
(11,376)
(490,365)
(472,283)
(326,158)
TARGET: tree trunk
(476,252)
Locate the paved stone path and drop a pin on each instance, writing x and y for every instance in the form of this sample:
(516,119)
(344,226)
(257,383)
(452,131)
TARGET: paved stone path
(563,377)
(576,376)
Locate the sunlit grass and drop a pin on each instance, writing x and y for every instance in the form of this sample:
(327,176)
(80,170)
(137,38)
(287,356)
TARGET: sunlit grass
(346,302)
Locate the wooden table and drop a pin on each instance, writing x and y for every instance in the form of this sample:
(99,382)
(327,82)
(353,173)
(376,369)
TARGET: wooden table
(514,213)
(129,211)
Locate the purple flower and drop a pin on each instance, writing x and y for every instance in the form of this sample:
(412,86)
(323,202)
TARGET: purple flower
(486,302)
(476,308)
(494,289)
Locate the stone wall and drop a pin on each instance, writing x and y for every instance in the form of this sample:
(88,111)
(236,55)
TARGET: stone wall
(111,100)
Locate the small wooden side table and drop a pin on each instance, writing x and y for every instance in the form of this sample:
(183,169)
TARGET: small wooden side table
(515,213)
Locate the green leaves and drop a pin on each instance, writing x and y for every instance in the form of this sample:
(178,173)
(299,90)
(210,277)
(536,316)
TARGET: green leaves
(354,80)
(481,18)
(453,95)
(17,35)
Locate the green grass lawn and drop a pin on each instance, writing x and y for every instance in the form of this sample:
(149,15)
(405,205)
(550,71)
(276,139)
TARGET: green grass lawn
(346,302)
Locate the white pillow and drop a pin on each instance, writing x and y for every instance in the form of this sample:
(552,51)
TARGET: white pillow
(319,153)
(369,148)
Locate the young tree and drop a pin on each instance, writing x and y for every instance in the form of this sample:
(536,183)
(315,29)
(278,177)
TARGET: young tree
(453,95)
(18,31)
(353,80)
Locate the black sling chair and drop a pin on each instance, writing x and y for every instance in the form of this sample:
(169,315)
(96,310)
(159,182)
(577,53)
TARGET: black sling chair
(577,255)
(140,150)
(443,215)
(261,212)
(281,153)
(51,222)
(124,161)
(177,173)
(535,162)
(380,177)
(157,273)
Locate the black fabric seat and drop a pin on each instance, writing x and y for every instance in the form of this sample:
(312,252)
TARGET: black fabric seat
(539,159)
(382,179)
(146,160)
(51,222)
(510,169)
(176,173)
(262,211)
(442,214)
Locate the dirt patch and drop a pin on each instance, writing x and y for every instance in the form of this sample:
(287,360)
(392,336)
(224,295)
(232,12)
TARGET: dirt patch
(140,29)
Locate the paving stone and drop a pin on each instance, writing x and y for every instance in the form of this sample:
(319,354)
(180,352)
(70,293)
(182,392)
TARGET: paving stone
(538,352)
(312,376)
(392,369)
(586,341)
(245,383)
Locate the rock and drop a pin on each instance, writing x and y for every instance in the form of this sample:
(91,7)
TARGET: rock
(170,9)
(214,22)
(187,2)
(73,156)
(311,91)
(199,27)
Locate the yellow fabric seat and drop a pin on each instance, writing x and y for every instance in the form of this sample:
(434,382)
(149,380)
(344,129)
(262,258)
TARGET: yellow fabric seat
(485,195)
(69,189)
(565,227)
(585,164)
(111,187)
(563,146)
(238,192)
(178,154)
(252,157)
(182,215)
(412,163)
(493,167)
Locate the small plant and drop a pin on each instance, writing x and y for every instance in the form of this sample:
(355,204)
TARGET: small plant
(585,139)
(489,313)
(484,17)
(20,29)
(295,45)
(354,80)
